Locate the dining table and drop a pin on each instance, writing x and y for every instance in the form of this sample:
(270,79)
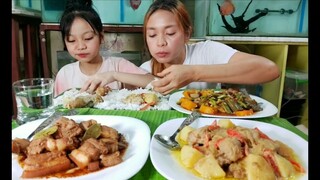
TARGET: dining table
(154,118)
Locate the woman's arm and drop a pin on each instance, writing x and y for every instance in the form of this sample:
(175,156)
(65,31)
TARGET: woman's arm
(242,68)
(102,79)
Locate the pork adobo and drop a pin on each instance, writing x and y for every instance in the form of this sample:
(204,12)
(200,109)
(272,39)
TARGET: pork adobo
(72,149)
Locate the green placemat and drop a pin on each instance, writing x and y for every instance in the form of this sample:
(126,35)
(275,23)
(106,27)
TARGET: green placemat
(14,124)
(155,117)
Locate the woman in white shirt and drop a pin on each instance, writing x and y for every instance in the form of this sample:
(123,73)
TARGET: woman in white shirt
(167,30)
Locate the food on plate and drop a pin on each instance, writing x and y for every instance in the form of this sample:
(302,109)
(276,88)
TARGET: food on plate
(45,132)
(189,156)
(85,99)
(116,99)
(145,99)
(70,149)
(82,101)
(102,91)
(229,102)
(225,150)
(183,135)
(150,98)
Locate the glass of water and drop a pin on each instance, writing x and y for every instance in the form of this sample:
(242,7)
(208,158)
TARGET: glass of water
(34,98)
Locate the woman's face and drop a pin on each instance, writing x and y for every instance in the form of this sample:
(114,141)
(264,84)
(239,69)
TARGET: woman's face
(82,43)
(165,39)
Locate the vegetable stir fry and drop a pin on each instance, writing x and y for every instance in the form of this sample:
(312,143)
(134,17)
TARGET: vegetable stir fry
(222,102)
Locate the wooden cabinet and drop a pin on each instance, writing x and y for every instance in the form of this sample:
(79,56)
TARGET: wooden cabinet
(25,57)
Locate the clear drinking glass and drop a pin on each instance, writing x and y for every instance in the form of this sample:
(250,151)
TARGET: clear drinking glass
(34,98)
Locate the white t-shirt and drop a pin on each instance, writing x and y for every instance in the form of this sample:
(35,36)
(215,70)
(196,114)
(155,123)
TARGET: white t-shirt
(206,52)
(70,75)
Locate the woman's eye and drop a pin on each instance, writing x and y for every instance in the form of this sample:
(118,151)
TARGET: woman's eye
(152,35)
(171,34)
(89,38)
(70,41)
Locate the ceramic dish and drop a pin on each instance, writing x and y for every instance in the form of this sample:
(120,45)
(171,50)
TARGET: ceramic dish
(136,132)
(168,166)
(268,108)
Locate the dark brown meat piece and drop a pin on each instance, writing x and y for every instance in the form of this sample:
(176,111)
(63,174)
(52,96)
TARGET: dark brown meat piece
(111,159)
(111,144)
(93,148)
(45,164)
(86,124)
(89,151)
(109,132)
(94,166)
(67,128)
(19,146)
(37,146)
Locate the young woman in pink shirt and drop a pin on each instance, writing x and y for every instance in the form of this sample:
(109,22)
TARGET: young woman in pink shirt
(82,32)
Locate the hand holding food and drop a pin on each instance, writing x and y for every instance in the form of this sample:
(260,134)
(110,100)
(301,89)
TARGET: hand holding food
(172,78)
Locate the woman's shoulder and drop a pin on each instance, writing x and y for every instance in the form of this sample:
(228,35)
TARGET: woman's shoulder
(204,43)
(146,63)
(69,67)
(115,59)
(146,66)
(208,46)
(118,62)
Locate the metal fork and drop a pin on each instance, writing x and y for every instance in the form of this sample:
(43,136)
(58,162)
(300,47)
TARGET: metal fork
(52,118)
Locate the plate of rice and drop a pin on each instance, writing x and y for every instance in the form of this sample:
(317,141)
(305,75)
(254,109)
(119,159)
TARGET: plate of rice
(119,99)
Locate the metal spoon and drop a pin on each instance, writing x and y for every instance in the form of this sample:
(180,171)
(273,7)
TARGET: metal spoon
(170,142)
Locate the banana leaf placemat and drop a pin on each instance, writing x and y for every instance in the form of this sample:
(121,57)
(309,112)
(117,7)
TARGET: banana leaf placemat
(156,117)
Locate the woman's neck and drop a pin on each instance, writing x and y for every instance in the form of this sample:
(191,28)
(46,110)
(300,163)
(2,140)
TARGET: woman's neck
(92,67)
(178,60)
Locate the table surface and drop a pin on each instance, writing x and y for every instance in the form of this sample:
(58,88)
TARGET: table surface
(154,118)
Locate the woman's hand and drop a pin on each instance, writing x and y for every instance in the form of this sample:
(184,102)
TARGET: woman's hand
(101,79)
(173,77)
(227,8)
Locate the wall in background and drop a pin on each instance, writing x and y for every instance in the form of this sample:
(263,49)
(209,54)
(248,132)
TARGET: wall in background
(114,42)
(285,18)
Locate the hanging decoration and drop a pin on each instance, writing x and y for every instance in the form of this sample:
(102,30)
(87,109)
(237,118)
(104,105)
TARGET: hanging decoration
(135,4)
(242,26)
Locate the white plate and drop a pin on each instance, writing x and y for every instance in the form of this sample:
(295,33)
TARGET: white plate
(136,132)
(268,109)
(168,166)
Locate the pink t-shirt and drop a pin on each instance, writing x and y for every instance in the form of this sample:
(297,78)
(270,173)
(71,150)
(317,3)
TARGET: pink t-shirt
(70,75)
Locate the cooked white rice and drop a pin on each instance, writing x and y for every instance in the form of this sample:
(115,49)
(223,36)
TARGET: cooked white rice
(114,100)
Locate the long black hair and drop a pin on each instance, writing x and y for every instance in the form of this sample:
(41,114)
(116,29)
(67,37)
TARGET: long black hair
(82,9)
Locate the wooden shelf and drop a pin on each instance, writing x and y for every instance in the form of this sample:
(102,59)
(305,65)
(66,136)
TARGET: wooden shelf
(285,55)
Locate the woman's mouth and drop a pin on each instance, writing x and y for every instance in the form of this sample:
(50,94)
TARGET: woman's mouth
(162,54)
(82,55)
